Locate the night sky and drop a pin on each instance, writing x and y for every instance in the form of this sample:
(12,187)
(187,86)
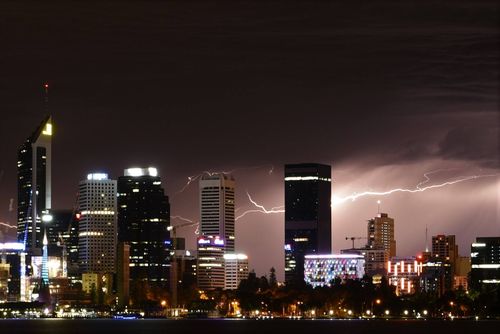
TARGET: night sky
(385,91)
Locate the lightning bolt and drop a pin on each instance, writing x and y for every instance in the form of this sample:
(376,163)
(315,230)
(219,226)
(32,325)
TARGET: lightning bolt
(193,178)
(260,209)
(427,174)
(187,220)
(418,189)
(7,225)
(338,200)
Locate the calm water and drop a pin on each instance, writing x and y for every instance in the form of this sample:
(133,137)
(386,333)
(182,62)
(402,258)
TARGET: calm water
(56,326)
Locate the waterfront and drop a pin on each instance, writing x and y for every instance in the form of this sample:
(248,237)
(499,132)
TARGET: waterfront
(146,326)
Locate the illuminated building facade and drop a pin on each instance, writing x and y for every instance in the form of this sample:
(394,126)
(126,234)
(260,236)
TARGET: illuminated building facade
(143,220)
(34,186)
(210,265)
(4,281)
(236,269)
(322,270)
(217,208)
(381,234)
(404,274)
(10,262)
(308,220)
(97,228)
(375,259)
(485,260)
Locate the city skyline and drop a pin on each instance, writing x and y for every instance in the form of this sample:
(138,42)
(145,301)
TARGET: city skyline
(269,170)
(383,99)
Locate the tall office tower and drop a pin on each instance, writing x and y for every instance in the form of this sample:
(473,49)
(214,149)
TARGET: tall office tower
(445,248)
(34,186)
(143,220)
(308,215)
(235,270)
(97,225)
(217,207)
(381,234)
(485,258)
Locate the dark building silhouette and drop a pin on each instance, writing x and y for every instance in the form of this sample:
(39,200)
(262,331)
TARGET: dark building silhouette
(485,260)
(308,222)
(143,220)
(34,186)
(58,231)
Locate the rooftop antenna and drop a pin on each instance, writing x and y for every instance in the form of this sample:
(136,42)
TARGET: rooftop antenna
(426,240)
(46,97)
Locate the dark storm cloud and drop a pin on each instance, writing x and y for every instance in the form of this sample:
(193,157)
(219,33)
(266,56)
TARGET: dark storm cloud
(472,144)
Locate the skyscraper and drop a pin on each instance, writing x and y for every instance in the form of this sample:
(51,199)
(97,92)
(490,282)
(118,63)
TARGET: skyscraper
(143,220)
(308,222)
(216,227)
(217,208)
(97,230)
(381,234)
(34,186)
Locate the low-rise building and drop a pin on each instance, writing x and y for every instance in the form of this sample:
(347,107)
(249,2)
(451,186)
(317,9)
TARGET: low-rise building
(236,270)
(404,273)
(321,270)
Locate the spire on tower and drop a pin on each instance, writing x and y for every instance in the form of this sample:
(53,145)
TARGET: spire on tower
(46,97)
(426,240)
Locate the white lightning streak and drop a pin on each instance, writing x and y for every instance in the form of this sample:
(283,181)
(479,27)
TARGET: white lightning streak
(7,225)
(193,178)
(261,209)
(427,178)
(184,219)
(338,200)
(418,188)
(197,224)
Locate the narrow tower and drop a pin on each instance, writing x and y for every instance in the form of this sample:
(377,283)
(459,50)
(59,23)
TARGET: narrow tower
(34,184)
(308,215)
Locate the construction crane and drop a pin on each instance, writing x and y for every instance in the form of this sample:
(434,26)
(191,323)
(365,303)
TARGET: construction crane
(354,238)
(174,281)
